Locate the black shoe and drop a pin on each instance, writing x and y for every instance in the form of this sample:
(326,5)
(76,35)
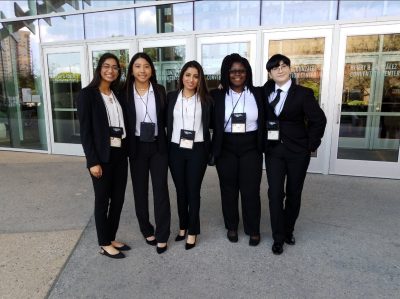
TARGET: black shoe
(152,242)
(179,237)
(277,248)
(161,249)
(190,246)
(232,236)
(254,240)
(290,240)
(123,248)
(119,255)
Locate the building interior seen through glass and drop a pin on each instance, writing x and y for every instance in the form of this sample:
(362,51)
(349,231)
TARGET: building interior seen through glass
(370,110)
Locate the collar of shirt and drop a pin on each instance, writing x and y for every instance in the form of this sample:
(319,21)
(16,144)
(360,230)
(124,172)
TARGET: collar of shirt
(245,90)
(285,87)
(151,90)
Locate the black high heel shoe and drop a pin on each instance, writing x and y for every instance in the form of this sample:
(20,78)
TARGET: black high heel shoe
(189,246)
(123,247)
(119,255)
(180,238)
(151,242)
(162,249)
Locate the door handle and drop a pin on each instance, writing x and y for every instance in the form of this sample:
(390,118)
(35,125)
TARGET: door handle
(338,114)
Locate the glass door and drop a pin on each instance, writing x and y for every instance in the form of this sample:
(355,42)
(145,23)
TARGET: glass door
(65,72)
(211,50)
(309,52)
(366,132)
(168,56)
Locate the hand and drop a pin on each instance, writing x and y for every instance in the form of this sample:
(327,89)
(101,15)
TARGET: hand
(96,171)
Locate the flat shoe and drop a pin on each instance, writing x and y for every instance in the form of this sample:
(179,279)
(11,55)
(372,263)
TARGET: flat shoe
(254,240)
(119,255)
(123,248)
(232,236)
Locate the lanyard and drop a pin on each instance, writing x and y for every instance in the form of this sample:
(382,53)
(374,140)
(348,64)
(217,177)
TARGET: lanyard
(244,100)
(114,103)
(230,115)
(145,103)
(194,116)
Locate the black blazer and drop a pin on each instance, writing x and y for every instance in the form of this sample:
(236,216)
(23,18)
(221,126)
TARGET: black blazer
(301,122)
(205,118)
(127,98)
(94,127)
(219,119)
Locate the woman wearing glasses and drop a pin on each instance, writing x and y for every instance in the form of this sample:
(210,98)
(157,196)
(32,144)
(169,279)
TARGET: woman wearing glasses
(146,105)
(188,122)
(102,128)
(237,146)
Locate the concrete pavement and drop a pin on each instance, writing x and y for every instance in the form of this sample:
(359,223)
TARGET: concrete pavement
(347,241)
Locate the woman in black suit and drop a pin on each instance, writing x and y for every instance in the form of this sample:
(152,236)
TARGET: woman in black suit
(103,139)
(237,146)
(146,104)
(188,122)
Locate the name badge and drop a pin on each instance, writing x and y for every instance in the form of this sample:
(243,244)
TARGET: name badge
(187,139)
(147,131)
(116,136)
(238,122)
(273,131)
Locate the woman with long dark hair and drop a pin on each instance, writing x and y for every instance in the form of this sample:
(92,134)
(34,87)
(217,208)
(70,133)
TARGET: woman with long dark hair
(237,146)
(102,128)
(146,104)
(188,122)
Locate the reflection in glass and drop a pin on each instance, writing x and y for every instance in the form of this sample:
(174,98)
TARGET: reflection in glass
(55,29)
(211,15)
(20,8)
(164,18)
(168,62)
(368,9)
(49,6)
(22,121)
(123,57)
(103,3)
(65,84)
(295,12)
(212,56)
(370,110)
(113,24)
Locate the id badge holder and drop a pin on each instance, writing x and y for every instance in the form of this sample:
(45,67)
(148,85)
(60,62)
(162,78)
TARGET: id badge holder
(187,139)
(147,131)
(116,136)
(273,130)
(238,122)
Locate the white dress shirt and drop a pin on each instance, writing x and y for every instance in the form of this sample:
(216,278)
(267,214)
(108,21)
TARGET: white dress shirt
(114,112)
(247,103)
(188,107)
(149,100)
(285,88)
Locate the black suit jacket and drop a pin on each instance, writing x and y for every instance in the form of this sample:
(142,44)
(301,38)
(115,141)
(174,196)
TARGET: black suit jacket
(127,98)
(218,96)
(205,117)
(301,121)
(94,127)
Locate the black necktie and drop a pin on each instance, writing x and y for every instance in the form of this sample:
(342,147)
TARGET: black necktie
(277,98)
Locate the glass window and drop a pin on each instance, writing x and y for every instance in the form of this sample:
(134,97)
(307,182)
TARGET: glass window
(164,18)
(13,9)
(226,14)
(112,24)
(167,62)
(50,6)
(368,9)
(370,110)
(55,29)
(102,3)
(287,12)
(123,57)
(22,121)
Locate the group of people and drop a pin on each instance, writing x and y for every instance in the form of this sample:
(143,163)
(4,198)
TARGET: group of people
(156,131)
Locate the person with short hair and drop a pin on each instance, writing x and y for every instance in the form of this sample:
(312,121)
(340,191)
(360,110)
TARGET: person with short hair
(295,125)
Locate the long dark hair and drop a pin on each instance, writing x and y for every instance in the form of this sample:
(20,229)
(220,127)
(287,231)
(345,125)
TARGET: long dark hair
(226,65)
(129,76)
(202,89)
(95,83)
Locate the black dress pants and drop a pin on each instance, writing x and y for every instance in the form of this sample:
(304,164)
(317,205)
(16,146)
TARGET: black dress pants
(187,168)
(147,159)
(109,192)
(239,168)
(283,164)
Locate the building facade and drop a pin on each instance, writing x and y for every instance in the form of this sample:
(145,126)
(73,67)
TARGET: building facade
(348,52)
